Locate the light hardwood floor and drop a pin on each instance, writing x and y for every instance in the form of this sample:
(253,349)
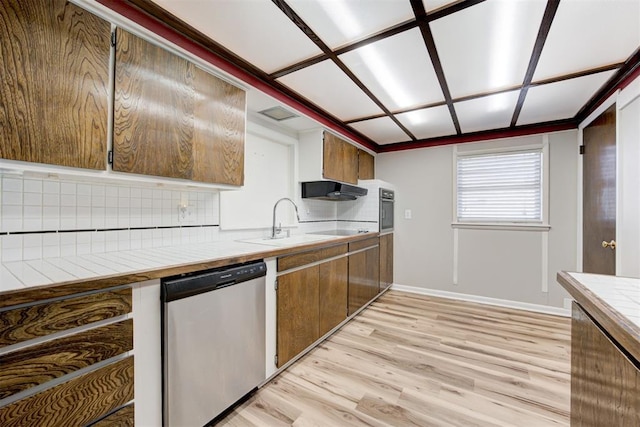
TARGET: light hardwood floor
(424,361)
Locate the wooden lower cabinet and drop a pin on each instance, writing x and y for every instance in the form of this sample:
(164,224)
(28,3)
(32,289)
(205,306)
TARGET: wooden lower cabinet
(311,302)
(605,383)
(386,260)
(364,277)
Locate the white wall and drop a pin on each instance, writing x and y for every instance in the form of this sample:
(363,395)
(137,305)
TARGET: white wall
(500,264)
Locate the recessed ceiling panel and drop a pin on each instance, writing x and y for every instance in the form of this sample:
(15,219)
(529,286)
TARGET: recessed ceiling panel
(327,86)
(561,100)
(339,22)
(431,5)
(259,101)
(383,130)
(489,112)
(257,31)
(588,34)
(429,122)
(487,46)
(397,70)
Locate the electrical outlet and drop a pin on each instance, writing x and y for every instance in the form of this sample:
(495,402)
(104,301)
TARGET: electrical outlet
(407,214)
(185,214)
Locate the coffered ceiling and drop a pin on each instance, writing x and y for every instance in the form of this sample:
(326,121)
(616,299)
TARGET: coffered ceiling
(404,73)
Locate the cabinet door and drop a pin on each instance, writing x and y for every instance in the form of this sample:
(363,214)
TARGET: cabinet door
(605,384)
(339,160)
(366,165)
(386,260)
(333,293)
(364,276)
(55,74)
(297,312)
(173,119)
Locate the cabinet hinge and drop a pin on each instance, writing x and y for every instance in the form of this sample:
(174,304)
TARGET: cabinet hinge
(113,39)
(582,149)
(275,360)
(275,285)
(110,157)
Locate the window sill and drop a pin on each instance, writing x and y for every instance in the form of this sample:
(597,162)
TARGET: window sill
(500,226)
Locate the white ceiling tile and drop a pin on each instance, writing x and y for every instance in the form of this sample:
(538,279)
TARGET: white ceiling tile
(382,130)
(561,100)
(327,86)
(429,122)
(588,34)
(487,46)
(255,30)
(430,5)
(341,22)
(489,112)
(397,70)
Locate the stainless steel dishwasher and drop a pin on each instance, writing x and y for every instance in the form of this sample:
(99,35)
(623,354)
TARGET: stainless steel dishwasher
(213,341)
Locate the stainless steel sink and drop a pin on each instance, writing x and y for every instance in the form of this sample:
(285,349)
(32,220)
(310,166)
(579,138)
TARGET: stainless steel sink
(299,239)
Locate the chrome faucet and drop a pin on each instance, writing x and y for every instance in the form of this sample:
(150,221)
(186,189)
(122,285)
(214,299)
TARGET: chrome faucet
(276,230)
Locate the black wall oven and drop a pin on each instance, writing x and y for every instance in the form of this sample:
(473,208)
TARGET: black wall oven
(386,209)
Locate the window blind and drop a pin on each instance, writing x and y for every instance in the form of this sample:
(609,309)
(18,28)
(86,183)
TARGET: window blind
(504,187)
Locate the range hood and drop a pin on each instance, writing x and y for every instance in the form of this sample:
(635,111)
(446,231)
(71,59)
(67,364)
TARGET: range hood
(331,190)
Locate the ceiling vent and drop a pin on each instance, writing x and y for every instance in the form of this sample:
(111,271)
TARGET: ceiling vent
(278,113)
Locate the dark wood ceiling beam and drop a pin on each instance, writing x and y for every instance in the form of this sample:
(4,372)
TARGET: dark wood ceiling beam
(420,13)
(629,71)
(510,132)
(299,22)
(543,32)
(451,8)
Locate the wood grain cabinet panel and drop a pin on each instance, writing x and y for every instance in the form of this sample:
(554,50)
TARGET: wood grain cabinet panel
(366,165)
(123,417)
(340,159)
(22,324)
(297,312)
(333,293)
(297,260)
(386,260)
(173,119)
(364,277)
(76,402)
(40,363)
(54,65)
(605,383)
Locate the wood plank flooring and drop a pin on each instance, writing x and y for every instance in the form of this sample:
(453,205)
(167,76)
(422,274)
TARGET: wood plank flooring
(412,360)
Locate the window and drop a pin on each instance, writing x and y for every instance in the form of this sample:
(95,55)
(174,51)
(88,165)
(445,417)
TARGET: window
(503,187)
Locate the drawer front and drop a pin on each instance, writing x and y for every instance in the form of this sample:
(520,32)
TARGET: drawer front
(37,364)
(22,324)
(123,417)
(76,402)
(362,244)
(297,260)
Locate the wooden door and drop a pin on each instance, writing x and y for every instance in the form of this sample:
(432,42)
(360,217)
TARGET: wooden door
(599,194)
(386,260)
(297,312)
(366,165)
(339,159)
(54,68)
(333,293)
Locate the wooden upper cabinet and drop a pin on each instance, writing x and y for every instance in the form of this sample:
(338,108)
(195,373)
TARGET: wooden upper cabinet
(340,159)
(173,119)
(366,165)
(55,72)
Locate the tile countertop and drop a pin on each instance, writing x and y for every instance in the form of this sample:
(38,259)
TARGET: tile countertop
(613,302)
(27,281)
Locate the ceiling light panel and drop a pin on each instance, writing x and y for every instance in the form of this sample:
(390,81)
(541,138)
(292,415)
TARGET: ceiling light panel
(397,70)
(428,122)
(588,34)
(340,22)
(488,112)
(382,130)
(561,100)
(487,46)
(327,86)
(254,30)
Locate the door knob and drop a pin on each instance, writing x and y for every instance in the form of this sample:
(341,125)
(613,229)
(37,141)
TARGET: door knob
(611,244)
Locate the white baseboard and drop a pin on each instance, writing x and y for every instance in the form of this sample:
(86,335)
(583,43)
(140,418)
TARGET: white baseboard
(538,308)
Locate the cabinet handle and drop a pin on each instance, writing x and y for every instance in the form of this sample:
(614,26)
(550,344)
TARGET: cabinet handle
(611,244)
